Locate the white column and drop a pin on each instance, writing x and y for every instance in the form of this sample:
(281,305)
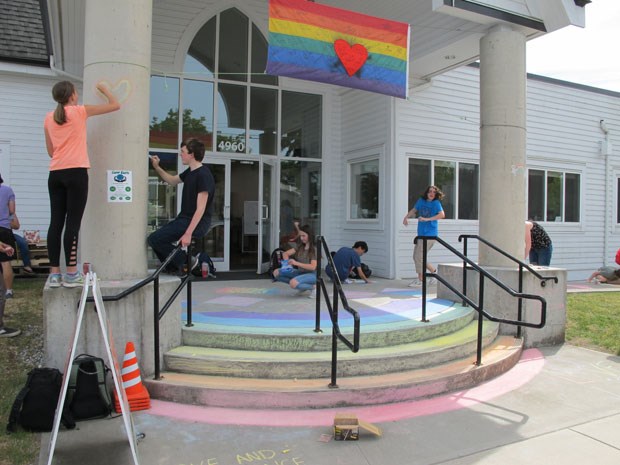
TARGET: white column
(117,49)
(502,144)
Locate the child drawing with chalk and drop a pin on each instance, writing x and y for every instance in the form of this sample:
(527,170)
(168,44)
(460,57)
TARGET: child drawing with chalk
(65,140)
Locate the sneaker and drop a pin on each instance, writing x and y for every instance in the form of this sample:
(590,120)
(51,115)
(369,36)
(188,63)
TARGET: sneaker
(302,292)
(8,332)
(184,271)
(347,281)
(9,294)
(312,294)
(195,262)
(55,280)
(73,280)
(431,281)
(27,270)
(415,283)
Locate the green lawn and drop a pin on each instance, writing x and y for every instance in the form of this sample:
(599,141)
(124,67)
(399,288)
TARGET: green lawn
(18,355)
(593,322)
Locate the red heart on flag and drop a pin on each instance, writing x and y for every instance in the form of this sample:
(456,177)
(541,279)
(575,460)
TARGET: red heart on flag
(351,57)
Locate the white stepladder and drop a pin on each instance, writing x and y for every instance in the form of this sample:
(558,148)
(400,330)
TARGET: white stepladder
(90,281)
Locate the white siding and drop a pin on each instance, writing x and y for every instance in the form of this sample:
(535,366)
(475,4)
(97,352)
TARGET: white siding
(365,127)
(24,101)
(563,133)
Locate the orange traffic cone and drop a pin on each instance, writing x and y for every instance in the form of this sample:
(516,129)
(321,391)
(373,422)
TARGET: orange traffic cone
(137,395)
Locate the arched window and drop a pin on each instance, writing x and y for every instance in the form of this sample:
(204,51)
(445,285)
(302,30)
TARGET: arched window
(226,100)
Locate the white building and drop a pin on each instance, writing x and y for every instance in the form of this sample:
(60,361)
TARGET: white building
(348,162)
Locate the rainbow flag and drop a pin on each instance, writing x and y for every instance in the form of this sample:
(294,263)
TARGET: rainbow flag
(325,44)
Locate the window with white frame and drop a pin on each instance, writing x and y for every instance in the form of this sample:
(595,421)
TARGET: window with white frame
(554,196)
(458,181)
(364,189)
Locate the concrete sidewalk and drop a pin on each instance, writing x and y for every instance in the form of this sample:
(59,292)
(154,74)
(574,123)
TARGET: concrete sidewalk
(559,405)
(568,413)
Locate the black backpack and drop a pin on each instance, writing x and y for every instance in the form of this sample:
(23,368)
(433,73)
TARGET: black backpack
(366,270)
(35,405)
(275,261)
(88,395)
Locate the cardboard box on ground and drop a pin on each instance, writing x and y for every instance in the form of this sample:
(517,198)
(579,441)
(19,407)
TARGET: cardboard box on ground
(347,427)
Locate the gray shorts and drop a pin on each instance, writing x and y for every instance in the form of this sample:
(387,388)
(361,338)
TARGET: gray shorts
(418,250)
(608,272)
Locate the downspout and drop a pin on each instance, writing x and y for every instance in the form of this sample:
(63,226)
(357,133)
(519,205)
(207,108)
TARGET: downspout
(606,151)
(60,72)
(46,9)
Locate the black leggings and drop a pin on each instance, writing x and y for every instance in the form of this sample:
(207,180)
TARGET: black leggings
(68,194)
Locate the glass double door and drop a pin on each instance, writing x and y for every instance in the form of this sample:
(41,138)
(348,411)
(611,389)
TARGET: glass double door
(242,233)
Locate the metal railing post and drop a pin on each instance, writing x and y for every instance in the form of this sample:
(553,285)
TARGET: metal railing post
(189,323)
(334,369)
(156,327)
(520,303)
(480,321)
(333,308)
(319,287)
(465,271)
(424,252)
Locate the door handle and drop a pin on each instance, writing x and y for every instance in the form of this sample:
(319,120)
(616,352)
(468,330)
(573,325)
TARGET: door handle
(227,212)
(265,212)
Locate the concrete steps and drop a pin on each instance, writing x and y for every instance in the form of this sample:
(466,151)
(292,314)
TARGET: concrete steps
(255,393)
(299,336)
(255,347)
(317,364)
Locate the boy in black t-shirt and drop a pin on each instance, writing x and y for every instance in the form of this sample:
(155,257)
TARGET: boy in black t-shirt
(194,219)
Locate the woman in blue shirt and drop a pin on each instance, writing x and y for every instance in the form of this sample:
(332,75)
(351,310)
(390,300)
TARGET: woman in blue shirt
(428,210)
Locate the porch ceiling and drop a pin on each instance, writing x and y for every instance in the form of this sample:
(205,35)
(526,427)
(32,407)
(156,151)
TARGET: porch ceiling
(445,34)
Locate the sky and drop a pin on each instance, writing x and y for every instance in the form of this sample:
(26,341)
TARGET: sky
(589,55)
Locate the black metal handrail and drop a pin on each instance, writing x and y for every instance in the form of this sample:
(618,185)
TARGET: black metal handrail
(338,294)
(479,306)
(158,313)
(522,266)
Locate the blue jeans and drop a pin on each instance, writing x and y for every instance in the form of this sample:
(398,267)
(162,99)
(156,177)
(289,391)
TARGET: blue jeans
(305,280)
(541,257)
(163,240)
(24,251)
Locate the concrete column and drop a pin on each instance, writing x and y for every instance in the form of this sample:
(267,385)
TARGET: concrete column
(502,144)
(117,49)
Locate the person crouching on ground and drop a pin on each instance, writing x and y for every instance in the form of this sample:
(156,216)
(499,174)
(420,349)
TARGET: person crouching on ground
(605,274)
(347,259)
(302,261)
